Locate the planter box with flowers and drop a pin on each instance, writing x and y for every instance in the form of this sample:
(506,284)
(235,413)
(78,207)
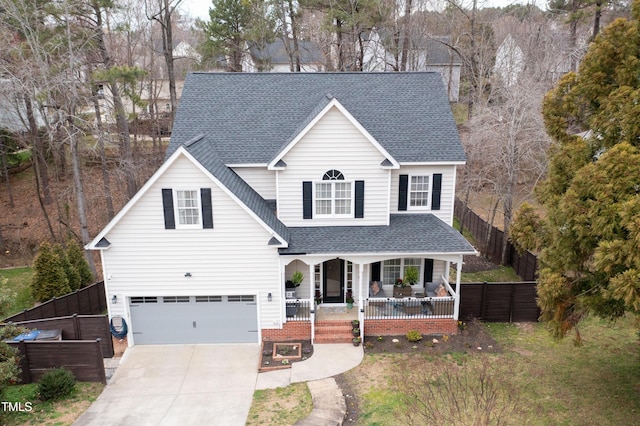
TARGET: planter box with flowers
(401,289)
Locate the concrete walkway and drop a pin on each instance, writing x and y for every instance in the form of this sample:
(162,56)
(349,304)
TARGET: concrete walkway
(328,360)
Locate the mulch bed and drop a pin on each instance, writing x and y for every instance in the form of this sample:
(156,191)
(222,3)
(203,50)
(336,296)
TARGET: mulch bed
(284,360)
(471,337)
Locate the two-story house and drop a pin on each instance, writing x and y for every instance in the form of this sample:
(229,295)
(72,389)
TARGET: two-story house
(342,183)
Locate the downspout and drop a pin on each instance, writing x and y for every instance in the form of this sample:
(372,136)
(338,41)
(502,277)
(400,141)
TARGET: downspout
(456,303)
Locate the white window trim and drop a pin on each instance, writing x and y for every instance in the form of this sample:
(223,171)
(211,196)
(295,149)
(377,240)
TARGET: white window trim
(176,209)
(333,199)
(429,193)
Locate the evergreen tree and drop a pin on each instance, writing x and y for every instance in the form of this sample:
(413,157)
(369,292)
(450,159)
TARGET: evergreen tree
(78,261)
(49,277)
(589,238)
(73,276)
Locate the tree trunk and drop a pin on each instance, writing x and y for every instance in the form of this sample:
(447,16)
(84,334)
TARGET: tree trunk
(106,184)
(341,66)
(294,36)
(5,173)
(39,162)
(406,37)
(121,115)
(82,215)
(596,20)
(167,44)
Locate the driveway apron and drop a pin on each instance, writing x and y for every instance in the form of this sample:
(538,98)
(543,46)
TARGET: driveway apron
(179,385)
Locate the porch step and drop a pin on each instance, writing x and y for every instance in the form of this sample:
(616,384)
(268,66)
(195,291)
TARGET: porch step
(339,331)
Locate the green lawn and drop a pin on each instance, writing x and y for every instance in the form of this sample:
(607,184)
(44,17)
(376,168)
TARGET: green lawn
(36,412)
(15,288)
(535,381)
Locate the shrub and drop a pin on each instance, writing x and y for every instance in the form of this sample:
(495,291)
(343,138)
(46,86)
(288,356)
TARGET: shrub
(56,383)
(9,366)
(76,257)
(49,278)
(9,331)
(7,296)
(414,336)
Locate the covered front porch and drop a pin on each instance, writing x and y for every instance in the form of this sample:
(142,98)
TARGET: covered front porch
(390,278)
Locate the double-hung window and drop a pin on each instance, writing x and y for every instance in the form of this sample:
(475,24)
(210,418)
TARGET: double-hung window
(188,208)
(334,196)
(419,191)
(393,269)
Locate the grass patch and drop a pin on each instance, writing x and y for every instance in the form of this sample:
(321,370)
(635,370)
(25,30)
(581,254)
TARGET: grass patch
(61,412)
(466,233)
(460,113)
(502,274)
(280,406)
(18,282)
(555,382)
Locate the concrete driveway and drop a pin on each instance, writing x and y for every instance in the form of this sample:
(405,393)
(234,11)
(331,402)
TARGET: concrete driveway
(179,385)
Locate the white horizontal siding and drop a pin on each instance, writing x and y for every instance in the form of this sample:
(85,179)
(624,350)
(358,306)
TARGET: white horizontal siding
(333,143)
(263,181)
(233,258)
(447,191)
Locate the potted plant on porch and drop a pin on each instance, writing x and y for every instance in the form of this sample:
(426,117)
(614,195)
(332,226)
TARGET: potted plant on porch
(349,299)
(401,288)
(356,341)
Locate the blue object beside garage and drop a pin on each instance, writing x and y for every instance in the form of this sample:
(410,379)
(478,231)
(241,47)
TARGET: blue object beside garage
(194,319)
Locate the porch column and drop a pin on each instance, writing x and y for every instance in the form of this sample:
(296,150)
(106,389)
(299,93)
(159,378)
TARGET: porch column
(447,270)
(456,303)
(360,299)
(282,297)
(312,297)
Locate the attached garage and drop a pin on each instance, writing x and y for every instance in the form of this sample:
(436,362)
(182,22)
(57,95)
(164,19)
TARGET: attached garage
(194,319)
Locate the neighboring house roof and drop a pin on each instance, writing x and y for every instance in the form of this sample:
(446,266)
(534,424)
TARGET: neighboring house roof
(276,53)
(406,233)
(248,117)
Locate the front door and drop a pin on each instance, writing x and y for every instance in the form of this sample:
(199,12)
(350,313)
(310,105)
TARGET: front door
(333,281)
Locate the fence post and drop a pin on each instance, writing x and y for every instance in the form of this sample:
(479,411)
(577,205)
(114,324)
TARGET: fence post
(100,362)
(483,308)
(24,362)
(76,328)
(511,301)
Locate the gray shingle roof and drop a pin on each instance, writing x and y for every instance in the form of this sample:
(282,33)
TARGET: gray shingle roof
(248,117)
(406,233)
(202,150)
(276,53)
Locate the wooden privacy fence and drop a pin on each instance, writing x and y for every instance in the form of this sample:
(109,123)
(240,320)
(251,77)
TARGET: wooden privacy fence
(499,302)
(90,300)
(77,327)
(82,357)
(525,265)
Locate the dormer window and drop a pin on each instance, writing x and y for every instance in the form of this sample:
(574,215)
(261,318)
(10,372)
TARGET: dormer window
(334,196)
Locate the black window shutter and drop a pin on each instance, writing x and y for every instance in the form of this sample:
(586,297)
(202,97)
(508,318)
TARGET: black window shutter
(428,271)
(359,199)
(375,271)
(207,208)
(307,200)
(167,206)
(435,194)
(402,192)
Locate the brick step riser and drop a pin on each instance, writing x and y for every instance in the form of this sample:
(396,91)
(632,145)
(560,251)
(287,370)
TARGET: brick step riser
(327,339)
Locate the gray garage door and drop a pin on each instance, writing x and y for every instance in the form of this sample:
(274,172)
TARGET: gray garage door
(194,319)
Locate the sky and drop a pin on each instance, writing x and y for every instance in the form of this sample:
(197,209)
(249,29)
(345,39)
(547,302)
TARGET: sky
(200,8)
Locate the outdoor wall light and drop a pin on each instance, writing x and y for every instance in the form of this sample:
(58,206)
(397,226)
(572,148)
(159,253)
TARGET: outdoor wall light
(187,275)
(114,299)
(269,298)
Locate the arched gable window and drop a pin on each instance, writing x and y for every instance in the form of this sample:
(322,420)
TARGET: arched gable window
(333,175)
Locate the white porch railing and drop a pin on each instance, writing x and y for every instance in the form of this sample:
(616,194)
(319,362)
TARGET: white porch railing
(409,307)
